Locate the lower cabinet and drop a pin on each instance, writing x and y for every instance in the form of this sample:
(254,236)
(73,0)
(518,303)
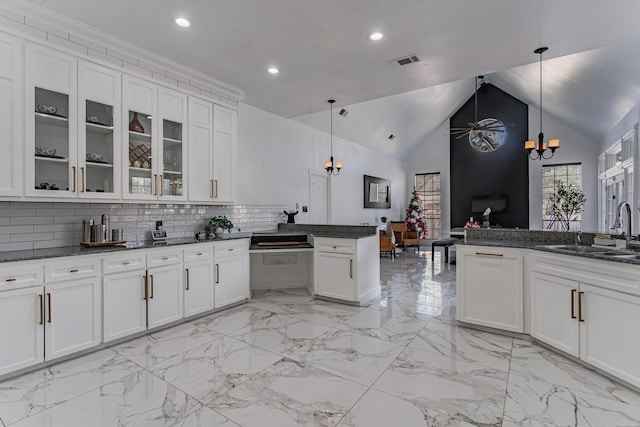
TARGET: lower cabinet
(125,304)
(336,276)
(231,273)
(490,287)
(199,287)
(164,295)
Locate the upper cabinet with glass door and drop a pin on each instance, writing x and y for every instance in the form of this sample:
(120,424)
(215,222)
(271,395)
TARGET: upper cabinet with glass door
(51,123)
(99,147)
(170,167)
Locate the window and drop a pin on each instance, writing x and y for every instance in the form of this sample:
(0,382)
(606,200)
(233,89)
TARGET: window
(428,188)
(551,175)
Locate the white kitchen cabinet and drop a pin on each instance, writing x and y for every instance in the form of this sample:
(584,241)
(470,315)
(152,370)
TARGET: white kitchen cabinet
(490,287)
(21,328)
(125,303)
(199,287)
(554,312)
(231,272)
(225,130)
(51,123)
(165,295)
(609,331)
(73,317)
(99,132)
(200,151)
(11,105)
(347,269)
(171,166)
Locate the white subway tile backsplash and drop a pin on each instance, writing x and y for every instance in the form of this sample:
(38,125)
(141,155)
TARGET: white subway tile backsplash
(30,237)
(17,212)
(46,244)
(15,246)
(16,229)
(56,227)
(22,220)
(5,220)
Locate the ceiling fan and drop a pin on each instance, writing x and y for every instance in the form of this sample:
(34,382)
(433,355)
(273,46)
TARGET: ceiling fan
(478,126)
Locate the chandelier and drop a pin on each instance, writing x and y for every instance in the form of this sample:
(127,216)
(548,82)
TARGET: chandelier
(330,167)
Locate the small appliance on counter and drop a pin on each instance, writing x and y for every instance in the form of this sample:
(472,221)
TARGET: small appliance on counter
(99,234)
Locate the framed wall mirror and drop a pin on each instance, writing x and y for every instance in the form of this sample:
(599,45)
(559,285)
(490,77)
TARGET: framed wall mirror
(377,193)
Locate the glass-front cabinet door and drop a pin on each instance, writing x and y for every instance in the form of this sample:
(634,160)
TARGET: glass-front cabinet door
(172,109)
(51,123)
(99,159)
(139,121)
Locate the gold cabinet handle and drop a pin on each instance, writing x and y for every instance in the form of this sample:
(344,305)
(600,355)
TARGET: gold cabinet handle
(75,177)
(488,254)
(230,249)
(144,287)
(11,279)
(82,177)
(187,271)
(211,188)
(125,263)
(49,307)
(160,184)
(164,258)
(351,269)
(41,297)
(573,296)
(580,319)
(216,181)
(199,254)
(151,277)
(73,270)
(217,273)
(155,184)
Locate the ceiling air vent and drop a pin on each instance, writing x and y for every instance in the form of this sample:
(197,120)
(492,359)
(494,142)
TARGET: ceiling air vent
(405,60)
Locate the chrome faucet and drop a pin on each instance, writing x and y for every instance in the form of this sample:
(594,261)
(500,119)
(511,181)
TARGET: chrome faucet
(616,223)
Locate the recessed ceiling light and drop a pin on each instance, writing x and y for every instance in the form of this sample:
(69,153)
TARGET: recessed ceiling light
(376,35)
(183,22)
(273,70)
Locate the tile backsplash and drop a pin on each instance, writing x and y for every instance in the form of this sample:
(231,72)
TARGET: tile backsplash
(35,225)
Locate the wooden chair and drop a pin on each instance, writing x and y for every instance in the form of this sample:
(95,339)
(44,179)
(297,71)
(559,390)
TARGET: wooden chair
(387,245)
(404,237)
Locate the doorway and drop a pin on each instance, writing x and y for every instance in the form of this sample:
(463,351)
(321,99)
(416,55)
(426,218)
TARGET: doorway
(319,198)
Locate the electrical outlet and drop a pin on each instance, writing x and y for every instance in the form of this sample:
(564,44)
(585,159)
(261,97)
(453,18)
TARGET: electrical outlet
(305,209)
(158,225)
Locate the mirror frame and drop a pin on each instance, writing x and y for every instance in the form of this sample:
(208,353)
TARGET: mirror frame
(368,180)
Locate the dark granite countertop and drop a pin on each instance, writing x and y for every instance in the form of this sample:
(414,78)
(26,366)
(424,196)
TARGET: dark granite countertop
(331,231)
(549,247)
(30,255)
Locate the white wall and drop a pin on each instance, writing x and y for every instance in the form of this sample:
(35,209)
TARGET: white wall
(433,156)
(575,147)
(275,156)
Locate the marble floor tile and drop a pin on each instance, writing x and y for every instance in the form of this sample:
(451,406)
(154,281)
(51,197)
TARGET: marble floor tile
(204,417)
(281,334)
(531,402)
(385,325)
(207,371)
(471,392)
(378,409)
(228,321)
(160,346)
(466,344)
(289,393)
(327,313)
(349,355)
(32,393)
(140,399)
(407,310)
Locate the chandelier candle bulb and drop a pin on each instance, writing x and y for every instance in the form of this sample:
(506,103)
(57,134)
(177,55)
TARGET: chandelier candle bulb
(529,145)
(554,143)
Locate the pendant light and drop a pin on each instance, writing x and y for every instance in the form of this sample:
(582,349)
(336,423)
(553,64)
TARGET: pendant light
(537,150)
(329,166)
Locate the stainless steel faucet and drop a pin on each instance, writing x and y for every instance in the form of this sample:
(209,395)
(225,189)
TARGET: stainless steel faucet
(616,223)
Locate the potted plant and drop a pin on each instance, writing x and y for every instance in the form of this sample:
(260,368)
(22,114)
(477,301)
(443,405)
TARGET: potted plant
(567,201)
(217,225)
(383,219)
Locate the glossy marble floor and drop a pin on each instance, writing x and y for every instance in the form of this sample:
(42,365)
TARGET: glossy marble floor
(287,360)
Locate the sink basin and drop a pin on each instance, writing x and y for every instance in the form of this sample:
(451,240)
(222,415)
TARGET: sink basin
(578,249)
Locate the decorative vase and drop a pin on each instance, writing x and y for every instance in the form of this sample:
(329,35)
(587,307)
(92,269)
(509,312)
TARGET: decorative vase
(219,232)
(135,124)
(485,223)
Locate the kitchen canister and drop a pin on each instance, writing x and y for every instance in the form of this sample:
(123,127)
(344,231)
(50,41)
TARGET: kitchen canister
(117,235)
(98,232)
(107,230)
(86,229)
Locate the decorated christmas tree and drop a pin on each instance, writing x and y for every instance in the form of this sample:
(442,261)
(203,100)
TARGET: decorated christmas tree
(415,219)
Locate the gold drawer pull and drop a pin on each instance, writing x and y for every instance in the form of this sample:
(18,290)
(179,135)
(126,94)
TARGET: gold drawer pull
(580,318)
(217,273)
(73,270)
(49,307)
(199,254)
(12,279)
(41,297)
(151,277)
(487,254)
(164,258)
(144,287)
(187,271)
(230,249)
(125,263)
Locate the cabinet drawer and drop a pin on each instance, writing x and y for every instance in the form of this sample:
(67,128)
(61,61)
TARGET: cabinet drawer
(200,252)
(124,262)
(342,246)
(227,249)
(71,268)
(20,276)
(158,258)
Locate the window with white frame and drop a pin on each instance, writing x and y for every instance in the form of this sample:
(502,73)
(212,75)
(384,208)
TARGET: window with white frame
(428,188)
(552,175)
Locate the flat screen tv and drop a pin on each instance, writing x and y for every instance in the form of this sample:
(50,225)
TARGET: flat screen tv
(497,203)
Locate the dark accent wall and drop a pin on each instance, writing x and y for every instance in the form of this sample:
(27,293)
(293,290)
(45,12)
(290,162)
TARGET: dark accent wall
(501,172)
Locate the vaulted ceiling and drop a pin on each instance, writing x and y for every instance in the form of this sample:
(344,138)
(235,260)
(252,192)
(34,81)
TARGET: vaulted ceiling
(321,47)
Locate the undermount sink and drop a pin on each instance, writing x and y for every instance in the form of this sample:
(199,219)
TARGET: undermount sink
(609,253)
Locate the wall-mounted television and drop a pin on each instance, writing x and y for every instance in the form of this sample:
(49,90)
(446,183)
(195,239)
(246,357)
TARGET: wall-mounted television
(497,203)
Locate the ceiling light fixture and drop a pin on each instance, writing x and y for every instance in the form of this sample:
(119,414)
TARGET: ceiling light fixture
(541,147)
(329,166)
(273,70)
(183,22)
(375,36)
